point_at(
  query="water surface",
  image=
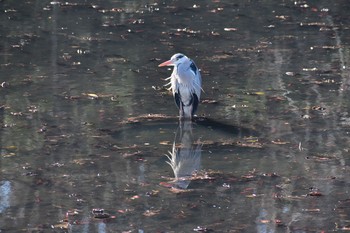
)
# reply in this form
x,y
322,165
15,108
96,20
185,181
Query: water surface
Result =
x,y
80,151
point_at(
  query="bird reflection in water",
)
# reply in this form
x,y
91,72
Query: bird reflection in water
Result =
x,y
185,157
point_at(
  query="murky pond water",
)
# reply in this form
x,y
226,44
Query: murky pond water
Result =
x,y
90,140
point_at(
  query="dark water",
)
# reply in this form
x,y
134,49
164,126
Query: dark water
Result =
x,y
270,152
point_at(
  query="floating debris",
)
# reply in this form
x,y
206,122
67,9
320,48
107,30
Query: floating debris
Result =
x,y
230,29
310,69
254,93
92,96
315,194
100,213
306,116
206,101
318,108
132,154
279,142
147,117
290,73
202,229
150,213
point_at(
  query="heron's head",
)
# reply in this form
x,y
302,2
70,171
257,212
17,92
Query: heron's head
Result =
x,y
175,60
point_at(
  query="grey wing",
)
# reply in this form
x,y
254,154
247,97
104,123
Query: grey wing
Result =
x,y
195,102
198,85
197,79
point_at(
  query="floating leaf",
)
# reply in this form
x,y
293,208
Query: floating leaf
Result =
x,y
279,142
62,225
146,117
166,184
314,194
318,108
251,145
72,212
313,24
273,174
122,211
100,213
10,147
153,193
209,101
166,143
255,93
127,155
202,229
282,17
179,190
278,222
310,69
305,116
97,211
93,96
134,197
230,29
82,161
251,195
16,113
311,210
259,93
150,213
8,155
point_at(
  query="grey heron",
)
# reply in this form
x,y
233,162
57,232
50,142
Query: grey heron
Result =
x,y
185,84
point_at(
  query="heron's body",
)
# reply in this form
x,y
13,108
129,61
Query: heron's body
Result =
x,y
185,84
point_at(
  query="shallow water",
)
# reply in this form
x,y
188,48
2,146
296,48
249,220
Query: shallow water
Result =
x,y
269,151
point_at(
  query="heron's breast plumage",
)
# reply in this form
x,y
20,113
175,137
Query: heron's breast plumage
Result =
x,y
184,80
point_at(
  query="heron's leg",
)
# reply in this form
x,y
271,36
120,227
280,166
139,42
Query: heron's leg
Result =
x,y
181,110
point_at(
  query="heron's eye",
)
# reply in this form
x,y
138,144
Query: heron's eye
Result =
x,y
179,57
